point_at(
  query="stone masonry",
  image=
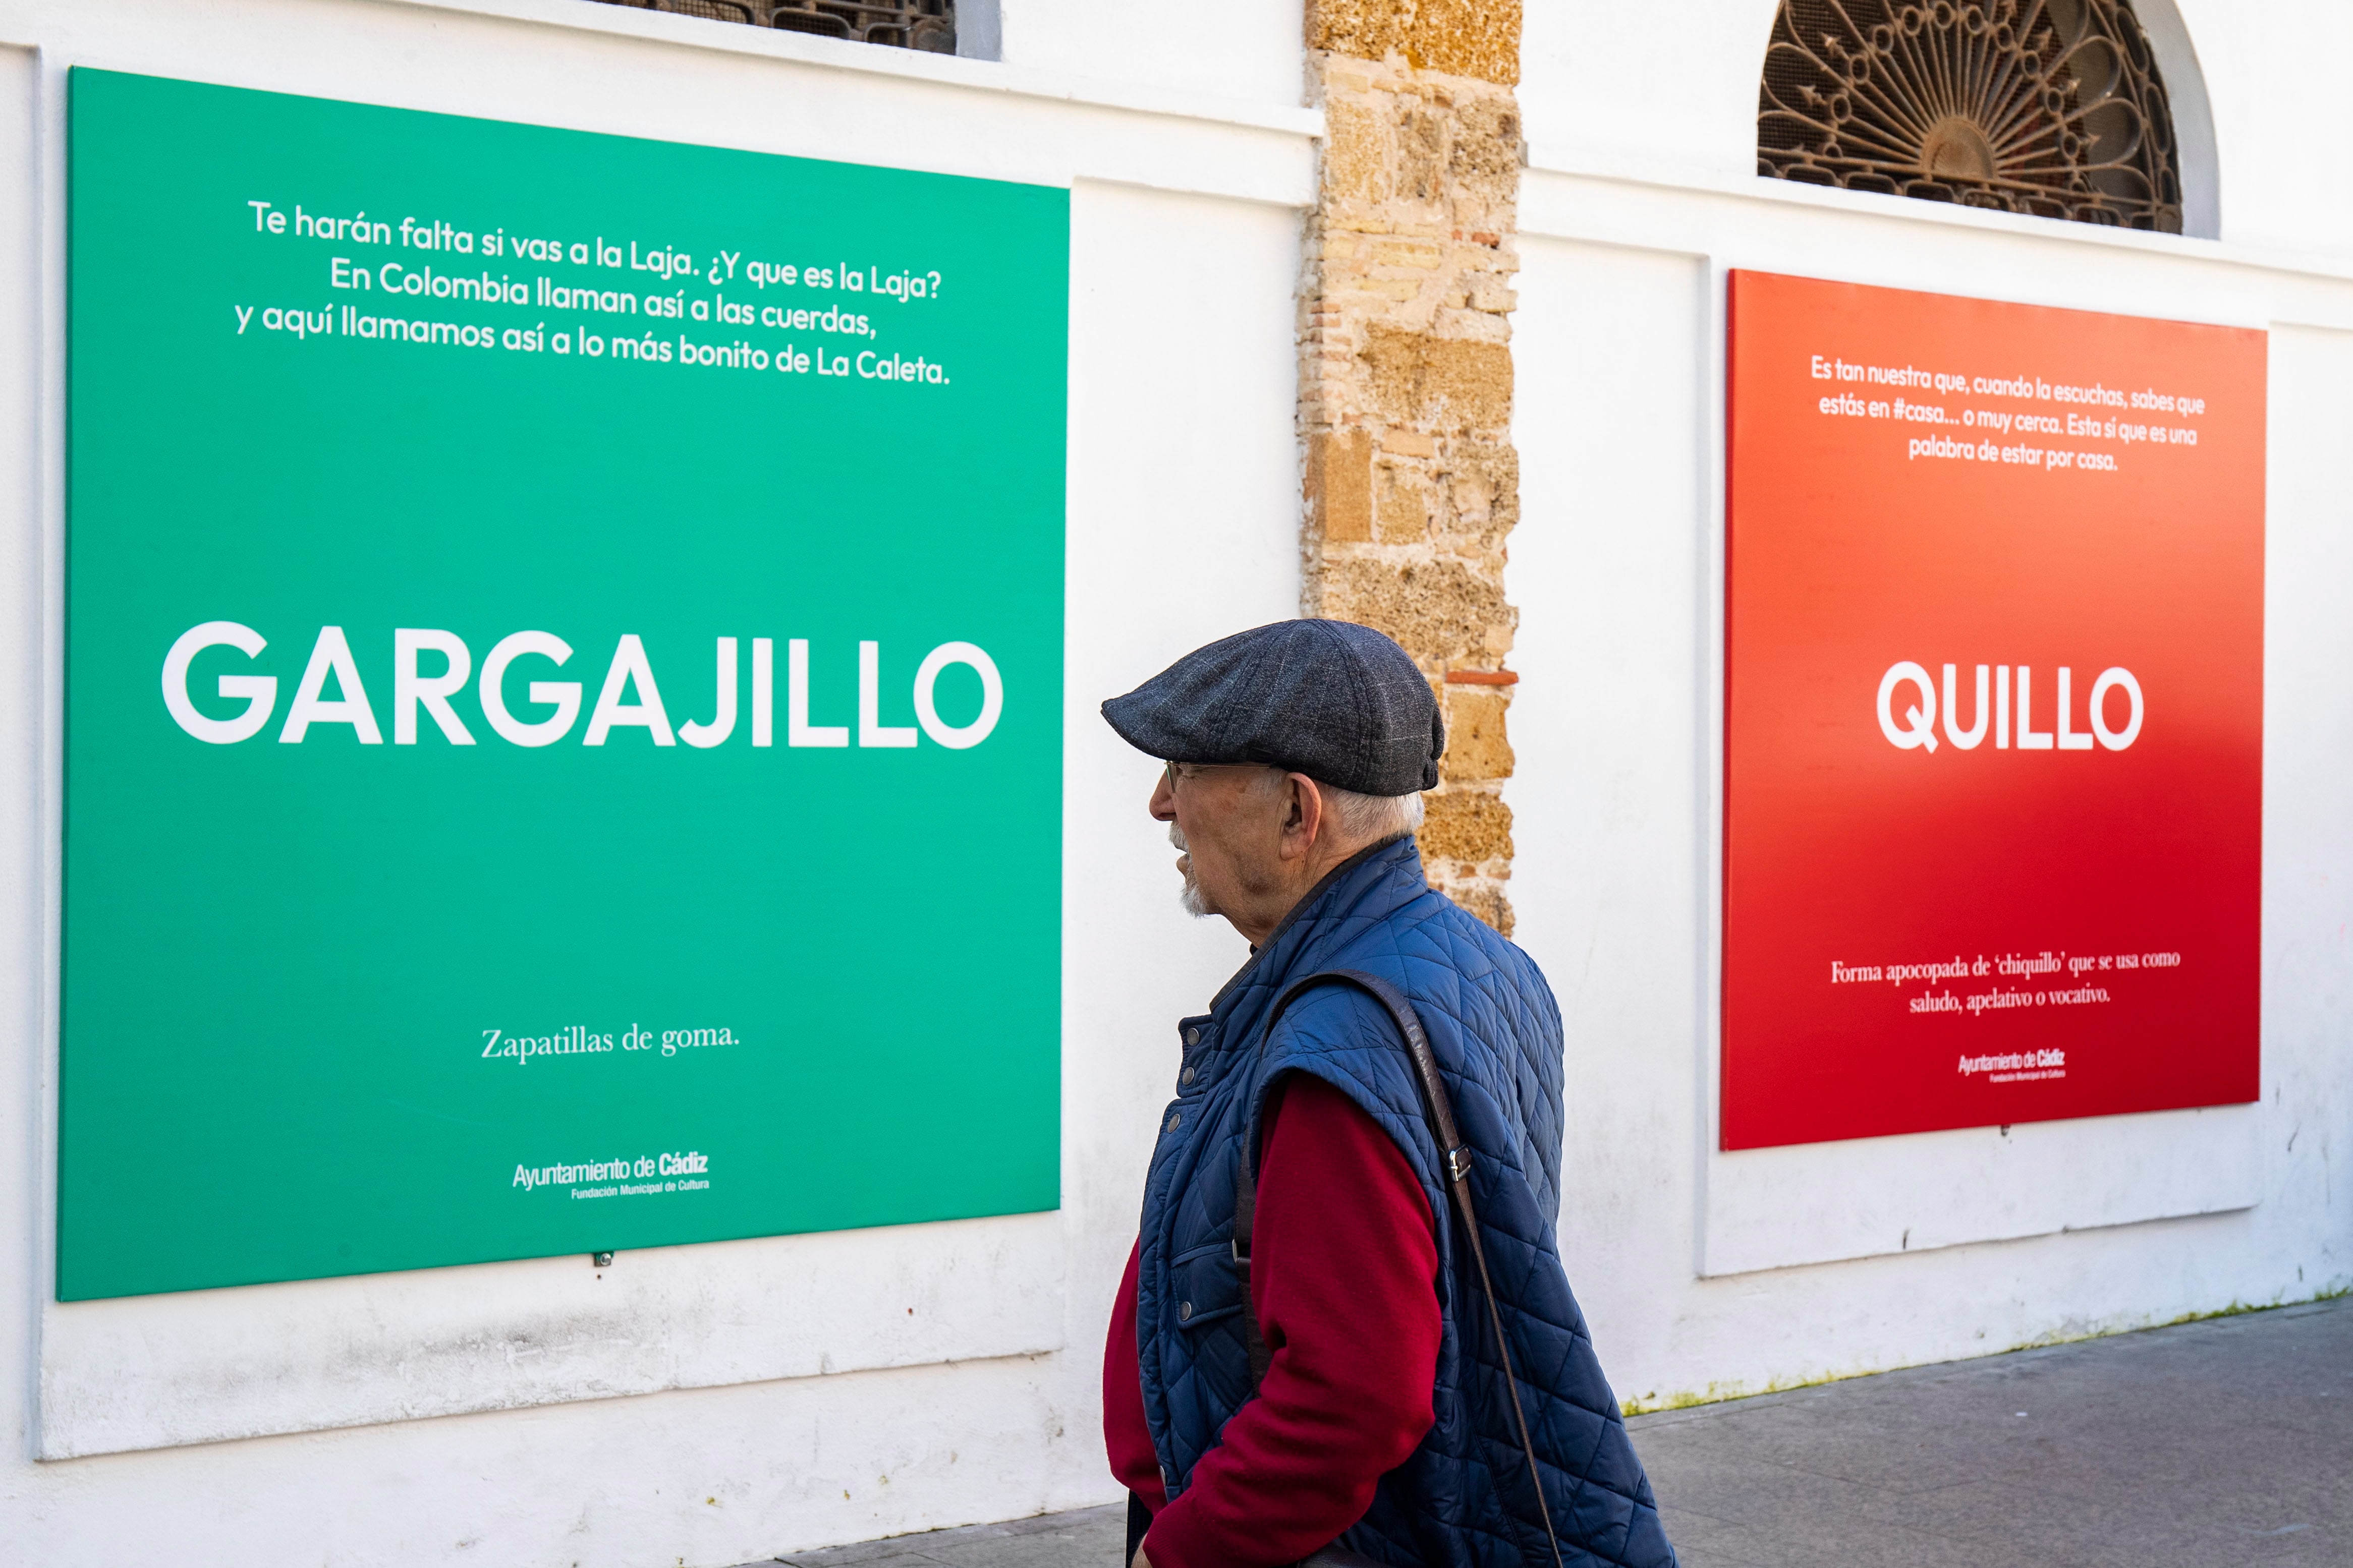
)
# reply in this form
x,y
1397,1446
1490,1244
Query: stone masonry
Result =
x,y
1405,381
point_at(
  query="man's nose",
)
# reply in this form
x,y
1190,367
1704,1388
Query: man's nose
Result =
x,y
1163,804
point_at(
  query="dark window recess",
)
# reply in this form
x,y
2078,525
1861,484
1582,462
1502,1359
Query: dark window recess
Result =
x,y
2049,107
928,24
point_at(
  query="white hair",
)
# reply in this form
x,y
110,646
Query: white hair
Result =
x,y
1364,818
1358,818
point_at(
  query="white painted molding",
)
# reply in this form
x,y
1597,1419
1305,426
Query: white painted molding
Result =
x,y
1823,1203
206,1366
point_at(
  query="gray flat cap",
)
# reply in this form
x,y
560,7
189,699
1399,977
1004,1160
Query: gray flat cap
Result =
x,y
1332,700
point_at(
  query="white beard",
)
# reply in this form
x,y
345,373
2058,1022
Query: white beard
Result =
x,y
1190,896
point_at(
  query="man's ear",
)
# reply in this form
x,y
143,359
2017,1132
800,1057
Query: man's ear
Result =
x,y
1302,816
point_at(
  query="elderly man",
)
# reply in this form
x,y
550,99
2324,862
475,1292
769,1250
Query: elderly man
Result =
x,y
1306,1359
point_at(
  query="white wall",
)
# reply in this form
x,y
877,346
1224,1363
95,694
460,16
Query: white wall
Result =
x,y
1601,84
715,1403
2265,67
1708,1273
1247,49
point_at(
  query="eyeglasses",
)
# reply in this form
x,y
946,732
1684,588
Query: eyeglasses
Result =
x,y
1176,771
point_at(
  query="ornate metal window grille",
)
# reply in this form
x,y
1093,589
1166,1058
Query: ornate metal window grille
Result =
x,y
2050,107
927,25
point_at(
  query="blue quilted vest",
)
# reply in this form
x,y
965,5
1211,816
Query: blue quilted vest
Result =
x,y
1463,1497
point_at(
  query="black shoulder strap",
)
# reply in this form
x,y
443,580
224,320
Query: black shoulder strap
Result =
x,y
1455,1159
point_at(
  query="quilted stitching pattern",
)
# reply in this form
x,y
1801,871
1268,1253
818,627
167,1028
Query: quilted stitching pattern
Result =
x,y
1463,1497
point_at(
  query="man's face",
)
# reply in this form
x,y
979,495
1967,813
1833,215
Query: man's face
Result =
x,y
1228,821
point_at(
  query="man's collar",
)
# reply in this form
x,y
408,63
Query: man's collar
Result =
x,y
1307,900
1306,906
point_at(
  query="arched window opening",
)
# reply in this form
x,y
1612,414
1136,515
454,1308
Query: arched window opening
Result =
x,y
2049,107
927,25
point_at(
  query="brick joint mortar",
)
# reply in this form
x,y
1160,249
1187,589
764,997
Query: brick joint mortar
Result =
x,y
1411,482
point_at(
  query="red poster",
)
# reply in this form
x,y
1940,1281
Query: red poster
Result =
x,y
1993,714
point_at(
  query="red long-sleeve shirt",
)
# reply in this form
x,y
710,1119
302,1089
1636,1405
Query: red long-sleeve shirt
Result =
x,y
1343,1274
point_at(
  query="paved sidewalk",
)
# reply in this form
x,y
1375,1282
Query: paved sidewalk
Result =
x,y
2204,1446
1086,1538
2208,1444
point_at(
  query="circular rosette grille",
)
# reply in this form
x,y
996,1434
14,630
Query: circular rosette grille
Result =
x,y
2049,107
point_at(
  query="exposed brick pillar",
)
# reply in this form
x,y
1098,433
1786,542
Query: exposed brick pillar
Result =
x,y
1405,380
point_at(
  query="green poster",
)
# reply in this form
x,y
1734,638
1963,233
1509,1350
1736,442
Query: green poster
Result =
x,y
563,692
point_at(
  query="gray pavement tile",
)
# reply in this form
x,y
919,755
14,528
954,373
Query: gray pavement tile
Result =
x,y
1703,1541
1714,1556
896,1551
1083,1538
1097,1544
1813,1540
1788,1507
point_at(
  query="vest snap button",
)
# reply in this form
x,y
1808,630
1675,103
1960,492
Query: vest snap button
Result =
x,y
1192,1036
1186,1075
1174,1118
1185,1312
